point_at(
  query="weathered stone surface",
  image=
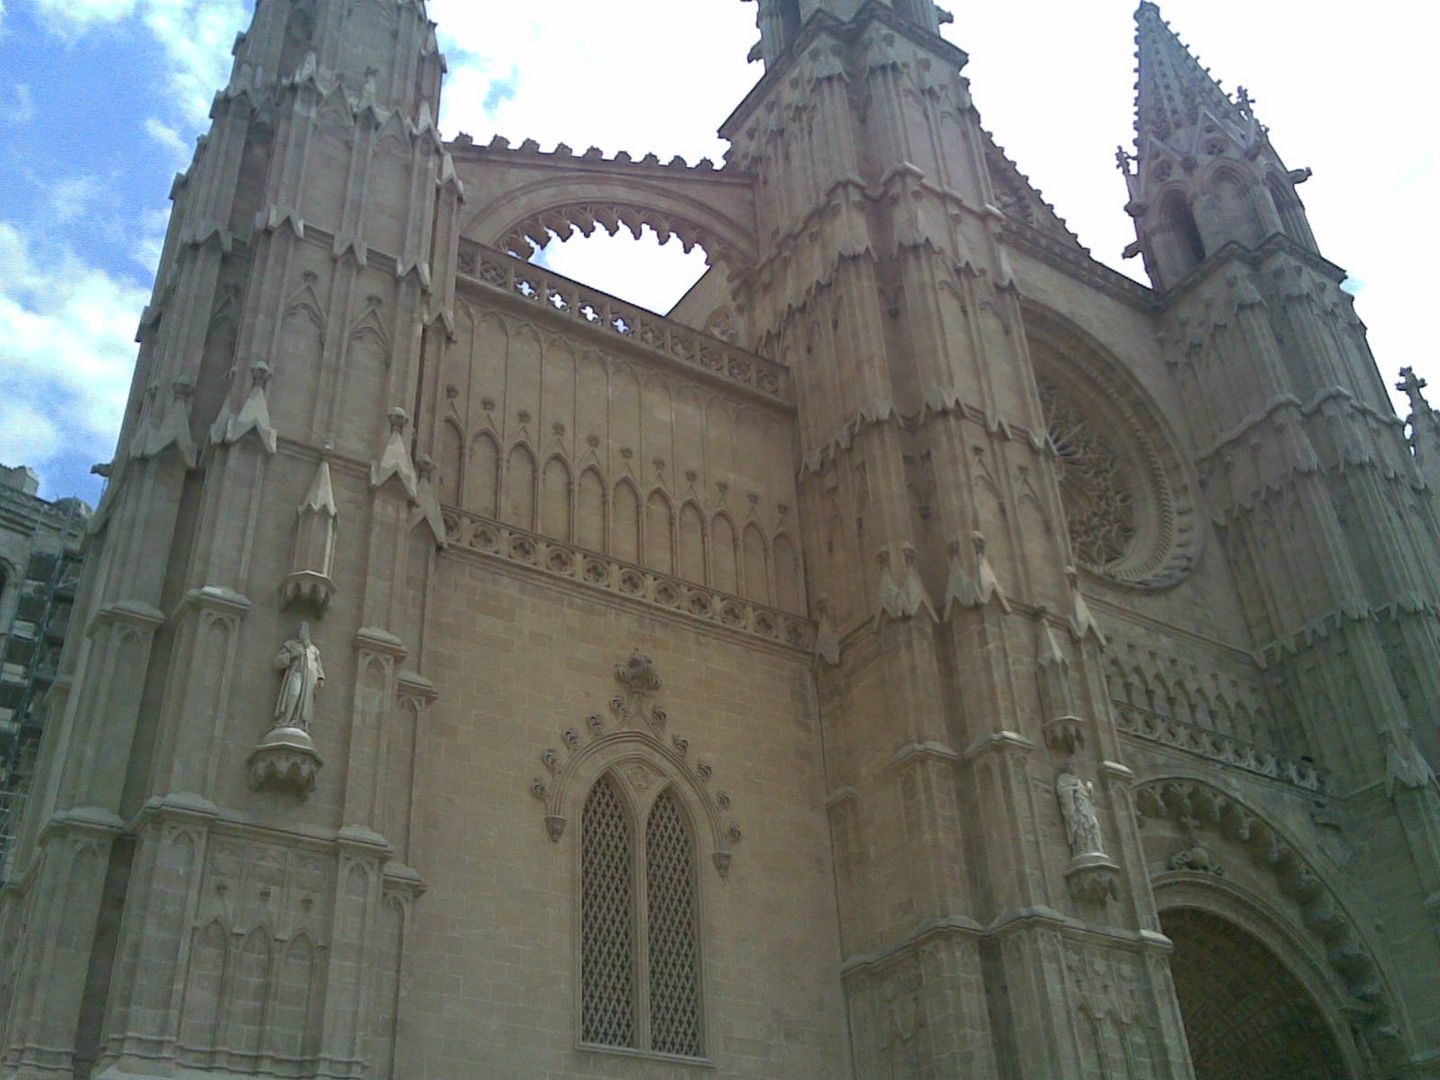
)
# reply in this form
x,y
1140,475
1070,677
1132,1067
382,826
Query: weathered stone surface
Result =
x,y
858,672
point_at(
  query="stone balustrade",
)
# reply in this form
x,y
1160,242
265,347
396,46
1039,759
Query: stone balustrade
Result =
x,y
645,328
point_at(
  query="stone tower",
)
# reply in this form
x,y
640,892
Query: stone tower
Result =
x,y
923,653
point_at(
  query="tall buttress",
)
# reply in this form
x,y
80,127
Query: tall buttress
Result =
x,y
1310,481
966,675
1328,519
278,358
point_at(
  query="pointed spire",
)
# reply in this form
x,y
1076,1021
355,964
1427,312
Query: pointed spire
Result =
x,y
1174,88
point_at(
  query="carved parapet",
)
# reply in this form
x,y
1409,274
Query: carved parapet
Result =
x,y
1093,878
566,299
1216,746
285,760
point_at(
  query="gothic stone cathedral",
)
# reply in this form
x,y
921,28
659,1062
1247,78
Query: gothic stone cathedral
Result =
x,y
925,653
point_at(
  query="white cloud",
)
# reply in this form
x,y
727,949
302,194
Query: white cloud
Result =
x,y
22,109
661,77
151,244
74,197
168,137
66,352
71,18
643,272
195,35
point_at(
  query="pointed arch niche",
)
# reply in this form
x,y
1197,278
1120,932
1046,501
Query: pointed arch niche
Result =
x,y
1248,905
635,741
647,820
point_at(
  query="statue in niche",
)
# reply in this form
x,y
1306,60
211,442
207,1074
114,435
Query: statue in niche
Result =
x,y
299,659
1077,807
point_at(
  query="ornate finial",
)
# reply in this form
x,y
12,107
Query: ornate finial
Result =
x,y
1124,159
1245,101
397,419
1412,386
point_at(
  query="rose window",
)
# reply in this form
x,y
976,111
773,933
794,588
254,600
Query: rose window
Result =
x,y
1124,487
1099,505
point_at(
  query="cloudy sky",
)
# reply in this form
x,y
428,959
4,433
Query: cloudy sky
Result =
x,y
101,100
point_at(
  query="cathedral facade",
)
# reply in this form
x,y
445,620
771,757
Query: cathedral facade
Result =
x,y
924,653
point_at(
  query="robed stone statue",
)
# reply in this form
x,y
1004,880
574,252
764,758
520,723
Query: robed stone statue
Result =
x,y
1077,806
299,659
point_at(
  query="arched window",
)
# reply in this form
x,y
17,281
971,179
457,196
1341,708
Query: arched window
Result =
x,y
1181,232
1292,214
639,948
607,923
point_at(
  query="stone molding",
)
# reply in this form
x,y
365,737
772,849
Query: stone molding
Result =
x,y
1196,805
637,737
484,536
1215,746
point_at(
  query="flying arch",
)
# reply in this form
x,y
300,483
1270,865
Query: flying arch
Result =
x,y
525,196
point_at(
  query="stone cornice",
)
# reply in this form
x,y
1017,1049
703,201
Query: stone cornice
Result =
x,y
1233,253
1014,920
1078,265
656,593
1290,403
939,401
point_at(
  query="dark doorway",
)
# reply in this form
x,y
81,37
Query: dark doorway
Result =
x,y
1246,1017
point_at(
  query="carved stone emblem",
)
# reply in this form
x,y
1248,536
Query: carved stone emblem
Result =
x,y
635,704
638,674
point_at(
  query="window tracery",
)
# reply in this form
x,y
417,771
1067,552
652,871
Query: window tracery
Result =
x,y
607,966
1099,505
640,969
1125,487
670,892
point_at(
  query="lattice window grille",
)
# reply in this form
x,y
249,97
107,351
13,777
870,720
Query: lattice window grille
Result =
x,y
607,935
673,963
639,925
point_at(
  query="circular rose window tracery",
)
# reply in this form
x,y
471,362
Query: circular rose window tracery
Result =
x,y
1124,487
1099,504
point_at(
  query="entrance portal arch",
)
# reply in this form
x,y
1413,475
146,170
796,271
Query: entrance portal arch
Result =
x,y
1247,1015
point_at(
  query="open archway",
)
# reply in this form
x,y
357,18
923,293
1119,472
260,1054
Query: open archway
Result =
x,y
1247,1017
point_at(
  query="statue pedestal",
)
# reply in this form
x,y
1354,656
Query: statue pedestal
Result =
x,y
285,759
1093,878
